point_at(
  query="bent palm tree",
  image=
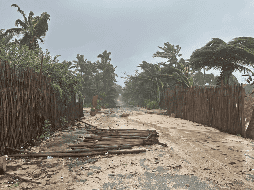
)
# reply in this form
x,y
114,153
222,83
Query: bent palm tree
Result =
x,y
33,28
225,56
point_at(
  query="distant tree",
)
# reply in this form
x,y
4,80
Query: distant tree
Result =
x,y
98,78
107,78
104,66
118,89
153,79
200,79
232,80
86,69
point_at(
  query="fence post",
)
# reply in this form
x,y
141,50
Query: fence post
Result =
x,y
2,164
94,102
242,113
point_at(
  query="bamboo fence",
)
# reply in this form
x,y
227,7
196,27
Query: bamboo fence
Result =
x,y
26,101
220,107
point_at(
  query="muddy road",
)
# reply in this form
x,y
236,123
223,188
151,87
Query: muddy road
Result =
x,y
197,157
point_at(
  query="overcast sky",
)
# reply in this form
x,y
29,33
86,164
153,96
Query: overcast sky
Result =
x,y
132,30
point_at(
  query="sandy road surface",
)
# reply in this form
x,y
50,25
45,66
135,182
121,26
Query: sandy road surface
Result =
x,y
197,157
195,150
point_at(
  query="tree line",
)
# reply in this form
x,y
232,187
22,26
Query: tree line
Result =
x,y
98,78
144,88
92,79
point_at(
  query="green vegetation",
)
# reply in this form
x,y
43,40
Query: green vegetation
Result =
x,y
228,57
87,105
93,79
151,104
98,78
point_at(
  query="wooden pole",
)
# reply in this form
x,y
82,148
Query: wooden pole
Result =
x,y
92,153
2,165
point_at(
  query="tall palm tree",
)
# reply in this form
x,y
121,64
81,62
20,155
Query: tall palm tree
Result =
x,y
103,66
152,74
33,28
87,70
225,56
180,70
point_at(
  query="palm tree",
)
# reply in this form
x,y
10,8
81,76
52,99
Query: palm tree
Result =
x,y
181,70
103,65
168,76
33,28
225,56
152,74
87,69
5,39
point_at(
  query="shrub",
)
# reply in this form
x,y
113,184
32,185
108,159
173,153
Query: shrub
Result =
x,y
152,104
87,105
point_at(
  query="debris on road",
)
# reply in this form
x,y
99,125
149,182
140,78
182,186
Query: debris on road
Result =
x,y
103,141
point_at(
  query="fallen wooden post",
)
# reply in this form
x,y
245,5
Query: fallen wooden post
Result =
x,y
99,142
67,154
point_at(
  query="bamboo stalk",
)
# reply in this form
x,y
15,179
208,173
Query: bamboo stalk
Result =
x,y
85,149
123,137
126,135
115,141
125,130
117,136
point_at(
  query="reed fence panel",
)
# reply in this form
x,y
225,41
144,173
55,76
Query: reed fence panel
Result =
x,y
208,106
26,101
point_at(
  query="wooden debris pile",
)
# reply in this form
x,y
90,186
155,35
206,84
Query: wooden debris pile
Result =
x,y
103,141
97,142
107,138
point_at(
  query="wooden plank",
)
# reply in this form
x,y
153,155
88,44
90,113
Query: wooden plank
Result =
x,y
85,149
119,136
110,139
80,145
125,137
114,142
103,146
53,154
111,145
122,130
149,137
125,132
117,141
